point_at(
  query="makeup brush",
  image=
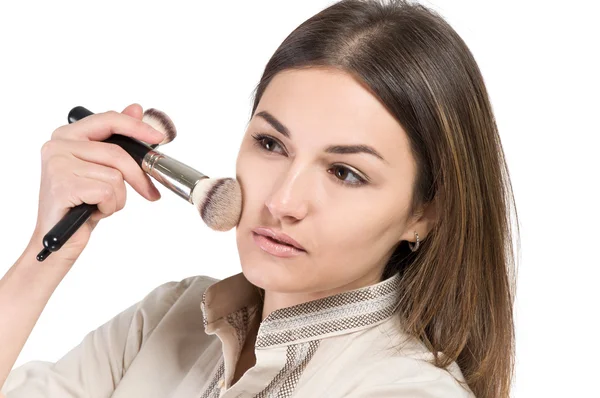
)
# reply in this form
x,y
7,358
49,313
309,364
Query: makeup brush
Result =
x,y
218,200
161,122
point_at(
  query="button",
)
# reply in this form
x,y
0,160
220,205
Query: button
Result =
x,y
221,383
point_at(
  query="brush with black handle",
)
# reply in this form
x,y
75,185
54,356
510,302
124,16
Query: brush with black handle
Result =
x,y
219,200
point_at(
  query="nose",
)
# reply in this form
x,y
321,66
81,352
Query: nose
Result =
x,y
289,198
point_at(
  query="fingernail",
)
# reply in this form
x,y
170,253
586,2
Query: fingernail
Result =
x,y
154,193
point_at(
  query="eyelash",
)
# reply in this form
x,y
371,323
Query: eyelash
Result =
x,y
258,141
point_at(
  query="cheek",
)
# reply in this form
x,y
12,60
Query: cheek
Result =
x,y
354,234
361,229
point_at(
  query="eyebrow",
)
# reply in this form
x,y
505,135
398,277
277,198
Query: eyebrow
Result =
x,y
339,149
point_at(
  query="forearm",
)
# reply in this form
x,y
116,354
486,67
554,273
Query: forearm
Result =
x,y
24,292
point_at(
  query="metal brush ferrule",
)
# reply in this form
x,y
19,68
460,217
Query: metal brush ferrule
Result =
x,y
176,176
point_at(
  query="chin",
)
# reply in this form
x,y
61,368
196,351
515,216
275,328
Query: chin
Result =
x,y
270,272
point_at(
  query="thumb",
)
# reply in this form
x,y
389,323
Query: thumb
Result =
x,y
134,110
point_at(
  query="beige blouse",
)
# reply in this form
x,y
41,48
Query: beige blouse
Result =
x,y
184,338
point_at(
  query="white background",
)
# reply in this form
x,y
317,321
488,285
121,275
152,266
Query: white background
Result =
x,y
200,63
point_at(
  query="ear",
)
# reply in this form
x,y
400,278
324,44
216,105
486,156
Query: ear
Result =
x,y
422,222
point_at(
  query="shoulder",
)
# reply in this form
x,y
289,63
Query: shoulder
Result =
x,y
415,377
401,365
160,320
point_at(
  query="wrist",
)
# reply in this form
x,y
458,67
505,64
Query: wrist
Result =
x,y
28,263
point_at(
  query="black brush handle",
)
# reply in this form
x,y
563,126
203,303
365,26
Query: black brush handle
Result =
x,y
76,216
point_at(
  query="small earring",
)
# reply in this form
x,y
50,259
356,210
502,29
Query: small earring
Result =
x,y
414,247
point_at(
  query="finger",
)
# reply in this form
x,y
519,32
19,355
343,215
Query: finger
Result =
x,y
134,110
105,154
94,192
100,126
107,174
115,157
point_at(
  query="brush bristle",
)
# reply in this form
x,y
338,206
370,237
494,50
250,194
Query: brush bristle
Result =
x,y
161,122
219,202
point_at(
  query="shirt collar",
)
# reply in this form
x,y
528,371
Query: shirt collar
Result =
x,y
337,314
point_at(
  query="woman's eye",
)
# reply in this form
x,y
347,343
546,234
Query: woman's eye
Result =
x,y
267,143
342,173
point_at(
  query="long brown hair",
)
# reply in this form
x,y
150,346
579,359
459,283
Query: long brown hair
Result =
x,y
458,287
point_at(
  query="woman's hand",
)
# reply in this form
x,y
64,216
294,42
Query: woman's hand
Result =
x,y
78,168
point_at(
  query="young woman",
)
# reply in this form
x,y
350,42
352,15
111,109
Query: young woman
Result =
x,y
373,155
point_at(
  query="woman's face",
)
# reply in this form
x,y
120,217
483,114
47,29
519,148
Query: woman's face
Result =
x,y
347,206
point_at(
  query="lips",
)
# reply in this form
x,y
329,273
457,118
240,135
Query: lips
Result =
x,y
279,237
